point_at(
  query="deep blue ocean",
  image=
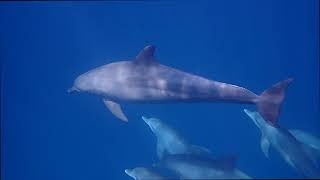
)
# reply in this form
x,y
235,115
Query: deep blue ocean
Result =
x,y
47,133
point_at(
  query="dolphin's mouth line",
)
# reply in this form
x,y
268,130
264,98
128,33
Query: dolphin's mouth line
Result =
x,y
127,171
73,90
146,121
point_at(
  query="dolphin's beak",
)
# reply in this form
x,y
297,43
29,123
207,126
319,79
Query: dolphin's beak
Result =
x,y
147,121
251,116
73,90
247,112
128,172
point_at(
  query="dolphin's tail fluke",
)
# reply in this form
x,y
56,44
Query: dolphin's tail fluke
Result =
x,y
271,99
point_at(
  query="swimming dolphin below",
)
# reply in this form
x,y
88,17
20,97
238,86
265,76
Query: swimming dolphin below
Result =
x,y
169,141
144,80
299,149
142,173
197,167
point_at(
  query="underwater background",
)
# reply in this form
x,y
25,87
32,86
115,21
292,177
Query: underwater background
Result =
x,y
47,133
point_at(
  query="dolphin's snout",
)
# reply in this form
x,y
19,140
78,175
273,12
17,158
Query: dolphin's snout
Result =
x,y
252,116
144,119
150,122
73,90
128,172
249,113
246,111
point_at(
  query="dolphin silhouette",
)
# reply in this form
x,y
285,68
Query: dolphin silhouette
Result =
x,y
299,149
142,173
169,141
189,166
144,80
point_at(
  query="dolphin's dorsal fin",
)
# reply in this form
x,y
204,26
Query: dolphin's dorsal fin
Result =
x,y
115,109
146,56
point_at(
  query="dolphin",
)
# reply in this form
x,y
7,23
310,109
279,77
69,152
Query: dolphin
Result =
x,y
144,80
141,173
169,141
300,150
189,166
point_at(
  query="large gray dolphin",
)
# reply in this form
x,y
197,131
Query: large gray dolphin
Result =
x,y
144,80
197,167
169,141
300,150
142,173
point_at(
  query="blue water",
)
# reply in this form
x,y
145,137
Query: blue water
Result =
x,y
44,46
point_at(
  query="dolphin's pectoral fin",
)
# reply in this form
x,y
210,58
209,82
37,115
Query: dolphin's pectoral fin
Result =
x,y
115,109
146,56
306,138
265,144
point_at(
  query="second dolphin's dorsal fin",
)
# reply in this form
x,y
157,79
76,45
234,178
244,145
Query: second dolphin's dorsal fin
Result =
x,y
146,56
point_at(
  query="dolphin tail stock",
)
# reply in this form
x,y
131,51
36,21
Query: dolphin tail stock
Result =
x,y
270,100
